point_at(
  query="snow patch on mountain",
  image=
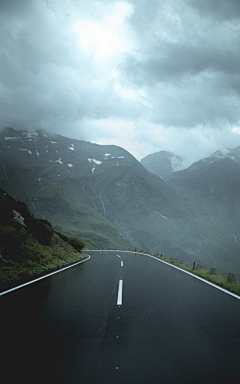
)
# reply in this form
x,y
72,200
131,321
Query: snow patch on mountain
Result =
x,y
72,147
164,216
59,161
118,157
233,236
53,142
32,134
10,138
27,150
98,162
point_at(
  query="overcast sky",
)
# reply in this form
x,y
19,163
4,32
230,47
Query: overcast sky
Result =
x,y
146,75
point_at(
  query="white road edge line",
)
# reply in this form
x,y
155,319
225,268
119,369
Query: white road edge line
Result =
x,y
43,277
120,287
183,270
197,277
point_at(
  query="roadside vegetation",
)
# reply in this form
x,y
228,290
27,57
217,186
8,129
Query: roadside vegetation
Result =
x,y
75,242
30,247
217,278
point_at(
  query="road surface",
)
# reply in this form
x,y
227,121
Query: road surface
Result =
x,y
120,318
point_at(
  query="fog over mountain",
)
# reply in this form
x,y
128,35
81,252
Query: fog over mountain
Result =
x,y
212,183
163,163
105,196
91,87
144,75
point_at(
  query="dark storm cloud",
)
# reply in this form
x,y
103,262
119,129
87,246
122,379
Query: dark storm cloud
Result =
x,y
47,80
172,61
189,65
144,74
220,10
15,7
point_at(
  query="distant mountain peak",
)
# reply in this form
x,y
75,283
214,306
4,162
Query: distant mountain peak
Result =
x,y
163,163
103,194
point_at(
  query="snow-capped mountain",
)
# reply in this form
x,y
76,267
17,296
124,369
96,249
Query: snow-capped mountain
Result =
x,y
214,185
53,174
232,154
104,195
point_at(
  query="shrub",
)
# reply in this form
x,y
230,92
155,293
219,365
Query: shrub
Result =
x,y
76,243
40,229
63,236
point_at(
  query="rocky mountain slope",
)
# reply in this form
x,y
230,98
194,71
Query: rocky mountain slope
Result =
x,y
104,195
53,177
215,186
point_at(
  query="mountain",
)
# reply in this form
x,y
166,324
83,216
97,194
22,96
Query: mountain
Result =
x,y
104,195
52,175
233,154
215,186
212,184
162,163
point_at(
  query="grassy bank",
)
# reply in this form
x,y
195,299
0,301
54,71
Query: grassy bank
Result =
x,y
217,278
29,246
39,259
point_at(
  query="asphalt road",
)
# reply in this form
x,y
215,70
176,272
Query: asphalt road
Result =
x,y
159,325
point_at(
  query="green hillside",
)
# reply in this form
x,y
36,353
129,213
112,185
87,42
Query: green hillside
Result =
x,y
30,247
105,196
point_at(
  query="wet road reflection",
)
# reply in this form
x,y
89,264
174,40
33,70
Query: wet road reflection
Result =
x,y
170,327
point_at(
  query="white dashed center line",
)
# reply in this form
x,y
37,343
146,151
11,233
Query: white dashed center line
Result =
x,y
120,287
121,263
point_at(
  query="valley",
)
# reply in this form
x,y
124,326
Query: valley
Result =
x,y
103,195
